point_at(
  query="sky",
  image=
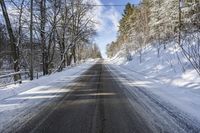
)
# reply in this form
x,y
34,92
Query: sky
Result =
x,y
107,21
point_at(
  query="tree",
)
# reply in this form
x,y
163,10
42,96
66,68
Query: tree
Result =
x,y
156,23
31,41
125,24
43,36
13,42
50,34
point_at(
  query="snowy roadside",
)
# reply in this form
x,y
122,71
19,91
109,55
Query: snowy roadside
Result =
x,y
26,100
173,80
184,98
11,90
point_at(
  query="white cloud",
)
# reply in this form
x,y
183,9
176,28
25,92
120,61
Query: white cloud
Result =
x,y
105,17
113,15
96,14
107,21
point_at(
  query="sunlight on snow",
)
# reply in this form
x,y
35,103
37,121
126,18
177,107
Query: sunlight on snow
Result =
x,y
41,90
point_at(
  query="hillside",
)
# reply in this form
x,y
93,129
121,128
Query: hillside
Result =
x,y
169,76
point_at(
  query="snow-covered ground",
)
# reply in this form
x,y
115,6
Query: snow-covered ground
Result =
x,y
161,76
24,101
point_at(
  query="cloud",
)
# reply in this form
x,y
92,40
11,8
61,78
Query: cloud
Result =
x,y
113,16
96,14
107,22
105,17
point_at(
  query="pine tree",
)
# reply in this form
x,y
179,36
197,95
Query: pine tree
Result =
x,y
125,24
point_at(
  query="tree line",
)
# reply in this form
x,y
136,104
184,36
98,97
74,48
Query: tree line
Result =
x,y
157,22
45,35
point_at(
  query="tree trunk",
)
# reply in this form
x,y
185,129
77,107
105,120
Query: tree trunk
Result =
x,y
31,42
74,53
14,48
42,35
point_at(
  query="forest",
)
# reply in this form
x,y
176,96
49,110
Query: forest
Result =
x,y
156,23
45,36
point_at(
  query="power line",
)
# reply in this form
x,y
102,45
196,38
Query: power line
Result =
x,y
119,5
103,5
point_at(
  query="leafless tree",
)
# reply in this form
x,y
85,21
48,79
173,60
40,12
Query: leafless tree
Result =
x,y
13,42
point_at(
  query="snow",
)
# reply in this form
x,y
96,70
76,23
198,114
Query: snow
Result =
x,y
171,80
25,100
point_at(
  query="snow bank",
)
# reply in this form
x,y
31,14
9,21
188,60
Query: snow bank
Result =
x,y
169,76
48,80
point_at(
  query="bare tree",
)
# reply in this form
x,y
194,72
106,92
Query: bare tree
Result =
x,y
50,33
14,48
31,41
43,36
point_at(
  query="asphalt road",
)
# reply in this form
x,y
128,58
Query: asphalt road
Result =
x,y
96,105
99,104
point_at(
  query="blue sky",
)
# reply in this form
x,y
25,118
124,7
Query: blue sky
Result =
x,y
108,18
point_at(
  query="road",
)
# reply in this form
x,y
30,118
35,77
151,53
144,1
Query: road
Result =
x,y
98,103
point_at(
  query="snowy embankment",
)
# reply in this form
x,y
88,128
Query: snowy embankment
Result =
x,y
25,100
172,80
